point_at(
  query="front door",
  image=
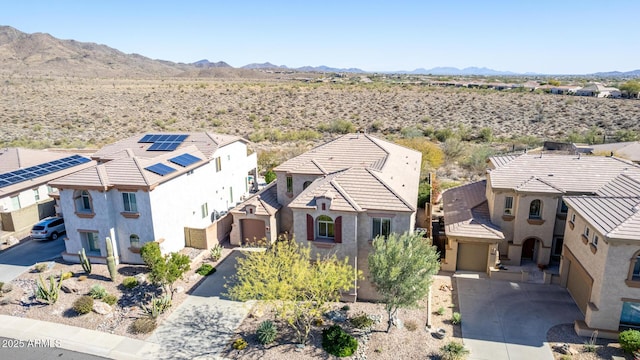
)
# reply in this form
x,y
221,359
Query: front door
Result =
x,y
528,249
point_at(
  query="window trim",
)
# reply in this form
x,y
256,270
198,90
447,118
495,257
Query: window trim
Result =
x,y
382,220
36,194
126,198
632,279
87,243
289,183
330,231
79,199
204,210
508,210
533,216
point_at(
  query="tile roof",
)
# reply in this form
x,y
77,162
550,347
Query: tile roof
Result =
x,y
621,186
566,173
627,150
129,172
12,159
351,150
501,160
206,143
466,212
614,217
265,202
354,189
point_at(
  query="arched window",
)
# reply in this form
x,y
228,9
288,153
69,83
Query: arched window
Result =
x,y
134,240
306,184
325,227
83,202
634,268
535,209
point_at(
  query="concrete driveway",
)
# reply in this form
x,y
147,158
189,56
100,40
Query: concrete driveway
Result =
x,y
204,324
506,320
18,259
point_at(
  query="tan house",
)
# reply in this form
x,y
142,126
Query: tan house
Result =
x,y
24,193
599,90
601,256
337,197
517,214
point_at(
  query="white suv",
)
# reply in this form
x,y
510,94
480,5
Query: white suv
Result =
x,y
49,228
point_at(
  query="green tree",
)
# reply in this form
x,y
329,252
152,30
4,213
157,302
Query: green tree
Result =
x,y
298,288
269,176
164,270
402,268
477,159
632,87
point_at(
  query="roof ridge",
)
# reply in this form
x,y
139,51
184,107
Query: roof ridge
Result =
x,y
344,194
139,167
625,221
103,176
549,184
317,164
375,140
409,205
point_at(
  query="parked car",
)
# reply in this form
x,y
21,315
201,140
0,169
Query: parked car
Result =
x,y
49,228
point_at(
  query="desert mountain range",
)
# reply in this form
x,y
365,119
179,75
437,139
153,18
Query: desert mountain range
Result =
x,y
43,54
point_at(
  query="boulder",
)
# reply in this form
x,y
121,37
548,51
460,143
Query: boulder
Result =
x,y
178,289
101,308
70,287
141,278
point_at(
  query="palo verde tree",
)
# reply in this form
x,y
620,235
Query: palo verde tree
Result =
x,y
298,288
164,270
402,268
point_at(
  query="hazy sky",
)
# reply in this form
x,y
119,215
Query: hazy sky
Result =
x,y
544,36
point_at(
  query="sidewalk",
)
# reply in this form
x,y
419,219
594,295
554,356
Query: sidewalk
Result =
x,y
78,339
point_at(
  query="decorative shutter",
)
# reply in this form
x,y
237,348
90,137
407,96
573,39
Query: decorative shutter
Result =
x,y
337,230
309,227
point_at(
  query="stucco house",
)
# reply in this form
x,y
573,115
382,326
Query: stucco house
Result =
x,y
337,197
153,187
599,90
601,257
517,214
24,194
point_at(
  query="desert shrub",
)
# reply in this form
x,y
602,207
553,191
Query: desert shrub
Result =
x,y
337,342
83,305
206,269
629,340
411,132
143,325
411,325
269,176
453,351
41,267
477,160
432,156
97,291
240,344
1,286
377,125
485,135
456,318
337,126
66,275
346,308
216,252
318,322
110,299
266,332
453,148
443,134
48,293
156,306
362,321
424,194
129,282
440,311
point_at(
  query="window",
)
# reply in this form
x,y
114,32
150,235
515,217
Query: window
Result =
x,y
83,202
231,194
306,184
508,205
595,239
573,217
325,226
134,240
36,194
129,200
49,189
90,242
563,208
630,314
381,227
586,231
204,210
218,164
534,209
635,275
289,184
15,202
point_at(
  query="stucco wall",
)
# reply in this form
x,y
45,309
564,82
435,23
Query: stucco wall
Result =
x,y
284,198
27,197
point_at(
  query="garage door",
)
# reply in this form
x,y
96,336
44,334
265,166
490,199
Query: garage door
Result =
x,y
579,285
252,230
472,257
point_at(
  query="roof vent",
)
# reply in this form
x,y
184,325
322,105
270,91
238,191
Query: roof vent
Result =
x,y
549,174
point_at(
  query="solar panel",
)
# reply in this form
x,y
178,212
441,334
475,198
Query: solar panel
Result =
x,y
160,169
185,160
146,139
163,142
35,171
164,146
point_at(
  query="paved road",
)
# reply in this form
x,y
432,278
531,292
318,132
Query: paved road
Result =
x,y
18,259
38,350
506,321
